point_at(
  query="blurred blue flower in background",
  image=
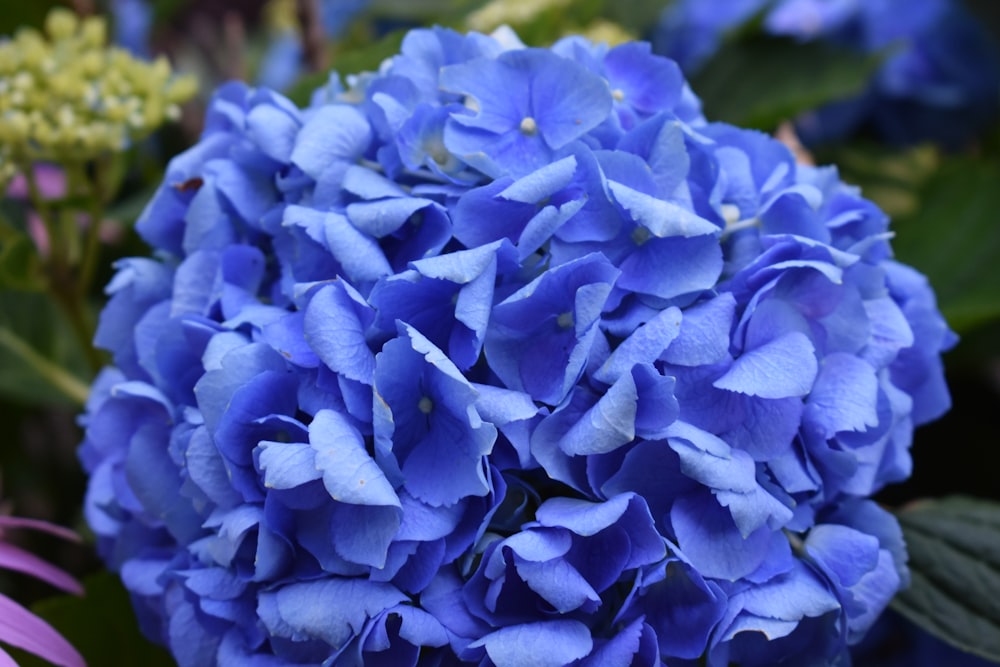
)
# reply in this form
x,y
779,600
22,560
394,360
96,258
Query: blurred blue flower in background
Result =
x,y
939,80
284,58
133,24
434,371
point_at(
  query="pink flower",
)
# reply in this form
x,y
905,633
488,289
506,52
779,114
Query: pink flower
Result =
x,y
20,627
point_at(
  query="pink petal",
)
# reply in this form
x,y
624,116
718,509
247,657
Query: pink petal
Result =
x,y
6,660
36,524
19,560
20,628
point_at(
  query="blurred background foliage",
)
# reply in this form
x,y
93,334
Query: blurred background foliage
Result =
x,y
945,205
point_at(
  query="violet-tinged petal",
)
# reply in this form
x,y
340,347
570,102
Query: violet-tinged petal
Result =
x,y
23,629
19,560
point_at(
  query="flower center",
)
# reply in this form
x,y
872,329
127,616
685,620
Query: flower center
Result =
x,y
528,126
640,235
565,320
425,405
730,213
618,94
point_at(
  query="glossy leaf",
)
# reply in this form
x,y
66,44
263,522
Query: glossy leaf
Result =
x,y
954,547
953,237
41,359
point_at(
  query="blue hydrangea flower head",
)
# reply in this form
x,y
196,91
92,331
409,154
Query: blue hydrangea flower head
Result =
x,y
938,83
506,356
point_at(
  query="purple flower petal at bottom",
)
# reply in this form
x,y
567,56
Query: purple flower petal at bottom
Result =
x,y
21,628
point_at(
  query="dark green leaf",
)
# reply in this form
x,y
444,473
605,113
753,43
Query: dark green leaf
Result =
x,y
42,360
101,626
891,178
18,14
954,547
954,238
759,81
20,266
639,16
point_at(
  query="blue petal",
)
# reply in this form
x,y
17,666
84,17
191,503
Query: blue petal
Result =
x,y
844,396
287,465
349,472
542,334
606,426
426,424
545,644
708,536
274,130
781,368
335,133
682,607
643,346
662,218
333,610
704,335
334,326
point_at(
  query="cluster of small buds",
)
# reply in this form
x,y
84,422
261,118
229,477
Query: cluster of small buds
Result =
x,y
501,12
65,95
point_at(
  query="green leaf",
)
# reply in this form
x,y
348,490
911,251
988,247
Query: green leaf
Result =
x,y
759,81
892,178
953,237
635,15
101,625
20,266
954,547
355,61
42,361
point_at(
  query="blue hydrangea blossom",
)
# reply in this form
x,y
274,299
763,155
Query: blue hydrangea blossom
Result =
x,y
506,356
938,82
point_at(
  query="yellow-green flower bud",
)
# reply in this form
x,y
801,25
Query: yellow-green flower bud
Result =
x,y
65,96
61,24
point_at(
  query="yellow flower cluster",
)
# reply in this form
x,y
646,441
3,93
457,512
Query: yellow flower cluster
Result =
x,y
496,13
519,14
66,96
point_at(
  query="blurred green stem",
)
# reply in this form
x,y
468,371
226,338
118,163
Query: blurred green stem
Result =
x,y
58,377
92,240
70,270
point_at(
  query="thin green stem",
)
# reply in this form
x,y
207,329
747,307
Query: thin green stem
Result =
x,y
67,384
82,324
92,240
